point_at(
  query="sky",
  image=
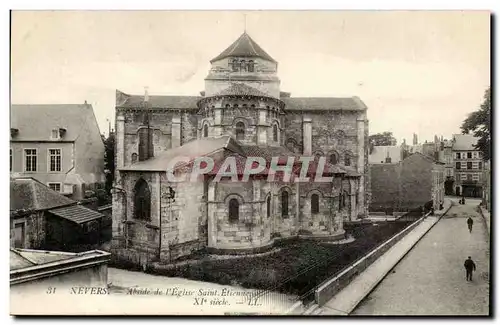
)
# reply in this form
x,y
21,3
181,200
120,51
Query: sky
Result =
x,y
417,71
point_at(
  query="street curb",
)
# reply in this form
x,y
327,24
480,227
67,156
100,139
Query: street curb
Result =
x,y
398,260
486,222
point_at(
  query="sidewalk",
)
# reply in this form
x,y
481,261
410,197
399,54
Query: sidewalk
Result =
x,y
486,215
346,300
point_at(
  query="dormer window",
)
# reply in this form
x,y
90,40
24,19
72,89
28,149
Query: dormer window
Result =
x,y
55,134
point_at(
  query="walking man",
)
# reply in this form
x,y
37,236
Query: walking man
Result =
x,y
469,267
470,222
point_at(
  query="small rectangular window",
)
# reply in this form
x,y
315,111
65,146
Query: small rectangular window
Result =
x,y
55,186
469,155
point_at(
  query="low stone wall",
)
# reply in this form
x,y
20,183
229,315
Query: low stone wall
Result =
x,y
331,287
486,217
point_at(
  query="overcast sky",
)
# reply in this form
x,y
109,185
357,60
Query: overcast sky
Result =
x,y
416,71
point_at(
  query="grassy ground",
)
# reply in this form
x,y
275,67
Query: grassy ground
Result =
x,y
295,269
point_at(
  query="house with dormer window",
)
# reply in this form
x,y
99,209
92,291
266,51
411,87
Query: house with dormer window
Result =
x,y
59,145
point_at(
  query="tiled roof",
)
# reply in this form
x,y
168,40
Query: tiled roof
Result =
x,y
324,103
464,142
197,148
173,102
30,194
240,89
77,213
72,117
244,46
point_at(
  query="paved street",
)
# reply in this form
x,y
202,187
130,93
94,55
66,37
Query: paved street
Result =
x,y
430,280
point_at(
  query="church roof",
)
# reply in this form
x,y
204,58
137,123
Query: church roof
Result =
x,y
323,103
240,89
244,46
173,102
192,150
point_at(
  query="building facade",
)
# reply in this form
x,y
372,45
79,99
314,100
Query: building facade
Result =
x,y
59,145
412,183
468,162
241,113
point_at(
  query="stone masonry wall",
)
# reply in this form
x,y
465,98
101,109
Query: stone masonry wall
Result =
x,y
183,222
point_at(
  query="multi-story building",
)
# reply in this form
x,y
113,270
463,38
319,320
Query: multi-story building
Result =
x,y
59,145
449,171
468,161
241,113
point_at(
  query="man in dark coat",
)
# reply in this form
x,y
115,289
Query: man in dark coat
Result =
x,y
470,222
469,267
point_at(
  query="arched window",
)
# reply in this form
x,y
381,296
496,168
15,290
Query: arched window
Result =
x,y
134,157
205,131
333,159
314,203
347,160
284,204
250,66
240,131
142,200
243,65
234,210
275,133
268,206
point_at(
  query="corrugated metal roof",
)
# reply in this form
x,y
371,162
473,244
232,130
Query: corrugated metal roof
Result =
x,y
77,214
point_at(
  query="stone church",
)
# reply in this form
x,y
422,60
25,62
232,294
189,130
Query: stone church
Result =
x,y
241,113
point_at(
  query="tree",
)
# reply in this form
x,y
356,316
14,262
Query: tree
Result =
x,y
109,160
479,123
381,139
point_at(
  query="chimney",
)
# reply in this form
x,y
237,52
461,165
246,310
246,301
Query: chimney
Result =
x,y
307,136
387,158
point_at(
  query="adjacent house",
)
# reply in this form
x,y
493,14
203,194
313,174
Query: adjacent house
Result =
x,y
41,218
59,145
409,184
468,163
